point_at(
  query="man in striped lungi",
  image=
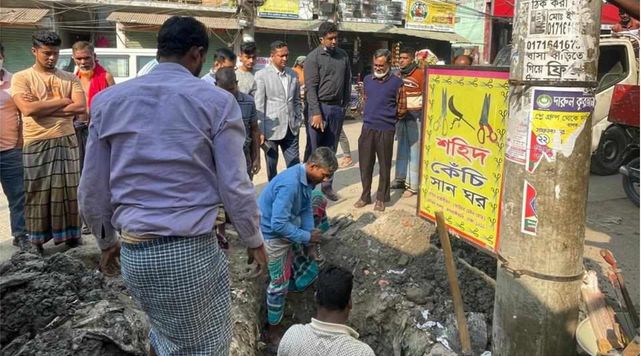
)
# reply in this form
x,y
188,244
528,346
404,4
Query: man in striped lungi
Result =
x,y
49,98
165,151
292,223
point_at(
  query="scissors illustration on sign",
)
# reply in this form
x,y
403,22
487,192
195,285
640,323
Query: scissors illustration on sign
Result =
x,y
441,122
485,130
458,114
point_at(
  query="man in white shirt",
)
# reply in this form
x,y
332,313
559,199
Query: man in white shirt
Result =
x,y
327,334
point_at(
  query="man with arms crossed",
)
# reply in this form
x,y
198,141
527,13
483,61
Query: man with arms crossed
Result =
x,y
49,99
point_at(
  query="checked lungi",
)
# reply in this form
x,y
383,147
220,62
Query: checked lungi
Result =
x,y
290,267
182,283
51,177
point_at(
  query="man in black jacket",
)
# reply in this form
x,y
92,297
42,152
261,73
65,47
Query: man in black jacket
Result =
x,y
328,85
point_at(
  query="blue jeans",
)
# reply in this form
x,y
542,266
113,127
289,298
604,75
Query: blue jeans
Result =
x,y
333,115
408,154
12,178
289,145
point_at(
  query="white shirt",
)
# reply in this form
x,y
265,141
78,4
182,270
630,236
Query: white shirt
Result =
x,y
283,79
322,339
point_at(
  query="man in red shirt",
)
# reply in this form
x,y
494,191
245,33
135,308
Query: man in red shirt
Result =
x,y
93,78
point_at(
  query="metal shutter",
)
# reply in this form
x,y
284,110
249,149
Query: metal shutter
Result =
x,y
17,48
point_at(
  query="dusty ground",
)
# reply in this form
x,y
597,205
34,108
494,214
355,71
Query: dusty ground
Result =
x,y
402,243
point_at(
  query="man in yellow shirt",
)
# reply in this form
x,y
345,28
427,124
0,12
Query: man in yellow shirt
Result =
x,y
49,99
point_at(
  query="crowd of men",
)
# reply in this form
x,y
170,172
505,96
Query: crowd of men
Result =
x,y
156,166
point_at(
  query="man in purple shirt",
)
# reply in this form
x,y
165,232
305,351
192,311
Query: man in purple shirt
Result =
x,y
165,151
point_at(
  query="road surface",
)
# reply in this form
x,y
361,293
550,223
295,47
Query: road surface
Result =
x,y
613,221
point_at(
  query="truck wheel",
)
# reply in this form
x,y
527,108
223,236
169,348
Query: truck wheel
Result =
x,y
608,156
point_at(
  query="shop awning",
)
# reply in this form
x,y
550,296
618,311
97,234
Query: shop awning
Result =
x,y
132,18
21,16
394,30
287,25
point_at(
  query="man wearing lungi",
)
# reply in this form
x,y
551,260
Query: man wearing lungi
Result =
x,y
49,99
94,79
165,150
290,230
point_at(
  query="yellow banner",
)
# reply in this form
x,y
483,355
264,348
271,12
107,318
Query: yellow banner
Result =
x,y
462,151
430,15
282,9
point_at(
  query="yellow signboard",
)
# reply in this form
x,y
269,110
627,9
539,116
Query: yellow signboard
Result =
x,y
430,15
282,9
463,151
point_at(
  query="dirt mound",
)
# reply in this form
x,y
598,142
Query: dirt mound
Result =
x,y
62,303
401,298
57,304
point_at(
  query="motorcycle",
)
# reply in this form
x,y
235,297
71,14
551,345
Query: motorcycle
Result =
x,y
356,103
630,171
624,114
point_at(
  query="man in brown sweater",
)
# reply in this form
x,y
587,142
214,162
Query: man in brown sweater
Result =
x,y
408,127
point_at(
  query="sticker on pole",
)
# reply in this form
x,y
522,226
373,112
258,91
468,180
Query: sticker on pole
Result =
x,y
530,221
558,117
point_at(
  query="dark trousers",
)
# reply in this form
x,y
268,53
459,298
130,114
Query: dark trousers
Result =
x,y
334,115
12,179
289,145
374,144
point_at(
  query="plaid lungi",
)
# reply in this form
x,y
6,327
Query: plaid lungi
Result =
x,y
51,176
182,283
290,268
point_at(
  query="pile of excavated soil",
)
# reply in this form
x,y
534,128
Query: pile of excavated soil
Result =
x,y
401,297
63,306
59,307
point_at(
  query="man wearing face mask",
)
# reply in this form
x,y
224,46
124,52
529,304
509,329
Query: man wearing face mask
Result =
x,y
165,151
328,84
385,102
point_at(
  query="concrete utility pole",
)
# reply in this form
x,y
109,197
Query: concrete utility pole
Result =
x,y
543,211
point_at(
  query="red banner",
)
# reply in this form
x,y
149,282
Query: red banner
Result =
x,y
505,8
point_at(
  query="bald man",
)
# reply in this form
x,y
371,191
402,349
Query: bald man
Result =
x,y
463,60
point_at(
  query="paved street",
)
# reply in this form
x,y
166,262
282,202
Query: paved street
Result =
x,y
613,221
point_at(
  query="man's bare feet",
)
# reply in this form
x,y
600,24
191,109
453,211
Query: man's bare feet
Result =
x,y
408,194
346,162
110,261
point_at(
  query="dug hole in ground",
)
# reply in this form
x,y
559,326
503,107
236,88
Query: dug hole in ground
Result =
x,y
62,305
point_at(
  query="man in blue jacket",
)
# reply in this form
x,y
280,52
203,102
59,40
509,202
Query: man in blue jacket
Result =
x,y
287,225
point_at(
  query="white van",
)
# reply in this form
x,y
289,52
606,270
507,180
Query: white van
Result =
x,y
123,64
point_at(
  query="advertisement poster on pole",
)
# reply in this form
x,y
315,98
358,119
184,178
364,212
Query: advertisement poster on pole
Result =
x,y
558,117
463,150
430,15
280,9
556,48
